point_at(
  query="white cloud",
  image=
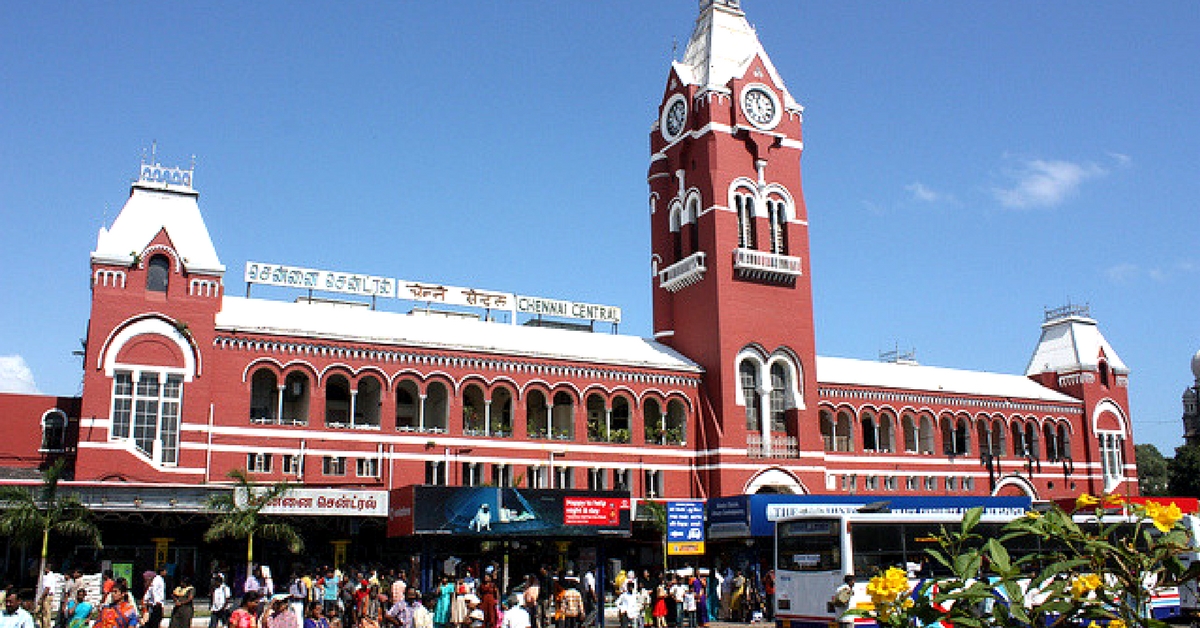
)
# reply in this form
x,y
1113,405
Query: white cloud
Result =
x,y
15,376
1043,183
1128,272
924,193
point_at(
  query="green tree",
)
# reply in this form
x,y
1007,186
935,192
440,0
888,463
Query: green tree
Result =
x,y
29,514
1153,470
240,516
1185,472
657,520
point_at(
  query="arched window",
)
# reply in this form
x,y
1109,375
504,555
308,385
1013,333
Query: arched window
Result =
x,y
158,271
694,218
827,427
1031,439
562,417
962,437
1051,440
619,425
676,423
367,402
652,422
997,440
948,435
264,397
778,212
984,435
748,377
1018,439
909,427
1112,462
597,418
1103,368
887,433
1064,441
337,401
927,434
870,432
779,388
676,232
473,411
436,413
537,424
407,408
744,204
296,390
501,412
843,439
54,431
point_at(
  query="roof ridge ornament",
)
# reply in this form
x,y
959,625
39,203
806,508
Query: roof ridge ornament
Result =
x,y
1070,310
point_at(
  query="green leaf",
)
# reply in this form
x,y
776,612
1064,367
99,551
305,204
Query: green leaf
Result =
x,y
971,519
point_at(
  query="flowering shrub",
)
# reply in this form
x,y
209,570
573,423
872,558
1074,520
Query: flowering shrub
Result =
x,y
1045,570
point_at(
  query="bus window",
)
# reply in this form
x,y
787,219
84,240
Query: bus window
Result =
x,y
877,546
809,545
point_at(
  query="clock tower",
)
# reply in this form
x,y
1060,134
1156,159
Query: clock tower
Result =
x,y
729,229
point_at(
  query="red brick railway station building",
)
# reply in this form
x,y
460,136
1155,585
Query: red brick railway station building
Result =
x,y
366,384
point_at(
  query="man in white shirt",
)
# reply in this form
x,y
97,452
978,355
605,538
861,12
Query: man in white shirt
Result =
x,y
516,616
13,616
221,607
155,597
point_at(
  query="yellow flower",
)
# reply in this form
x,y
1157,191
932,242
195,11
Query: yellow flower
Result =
x,y
1113,501
1116,623
907,603
1033,514
1085,500
1082,585
1163,517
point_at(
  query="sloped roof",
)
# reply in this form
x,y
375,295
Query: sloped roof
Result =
x,y
352,324
721,48
151,209
1070,344
914,377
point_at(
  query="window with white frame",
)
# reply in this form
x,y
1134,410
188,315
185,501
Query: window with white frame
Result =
x,y
502,475
653,483
779,388
931,483
1111,458
912,483
890,483
537,476
968,484
472,473
366,467
872,483
596,479
258,463
748,378
621,480
54,431
744,204
777,210
951,483
333,465
564,477
146,408
435,473
290,464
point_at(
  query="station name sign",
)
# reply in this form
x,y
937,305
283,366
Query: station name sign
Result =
x,y
423,291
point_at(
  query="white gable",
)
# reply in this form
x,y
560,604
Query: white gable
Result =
x,y
902,376
150,209
1072,344
721,48
392,328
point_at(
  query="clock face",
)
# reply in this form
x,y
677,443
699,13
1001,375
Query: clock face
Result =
x,y
760,107
673,118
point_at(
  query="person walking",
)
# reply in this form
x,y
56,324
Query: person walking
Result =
x,y
629,606
155,597
221,605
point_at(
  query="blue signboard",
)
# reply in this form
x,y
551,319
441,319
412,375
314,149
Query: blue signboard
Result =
x,y
685,521
755,515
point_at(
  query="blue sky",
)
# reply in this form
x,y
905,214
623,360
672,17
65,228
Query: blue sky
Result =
x,y
966,163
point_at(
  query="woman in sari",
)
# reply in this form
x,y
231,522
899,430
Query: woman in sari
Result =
x,y
441,614
79,609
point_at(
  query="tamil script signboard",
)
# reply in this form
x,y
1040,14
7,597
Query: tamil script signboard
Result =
x,y
328,502
490,511
424,292
685,527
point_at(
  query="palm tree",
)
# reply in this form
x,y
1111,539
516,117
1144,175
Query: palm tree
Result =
x,y
657,512
29,513
241,516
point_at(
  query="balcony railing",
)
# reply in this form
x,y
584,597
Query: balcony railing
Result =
x,y
781,446
683,273
764,266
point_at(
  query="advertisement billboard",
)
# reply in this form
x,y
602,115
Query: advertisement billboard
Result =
x,y
489,511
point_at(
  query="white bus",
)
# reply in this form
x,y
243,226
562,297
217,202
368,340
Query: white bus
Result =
x,y
814,552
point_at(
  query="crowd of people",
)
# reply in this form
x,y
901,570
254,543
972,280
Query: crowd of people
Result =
x,y
466,596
